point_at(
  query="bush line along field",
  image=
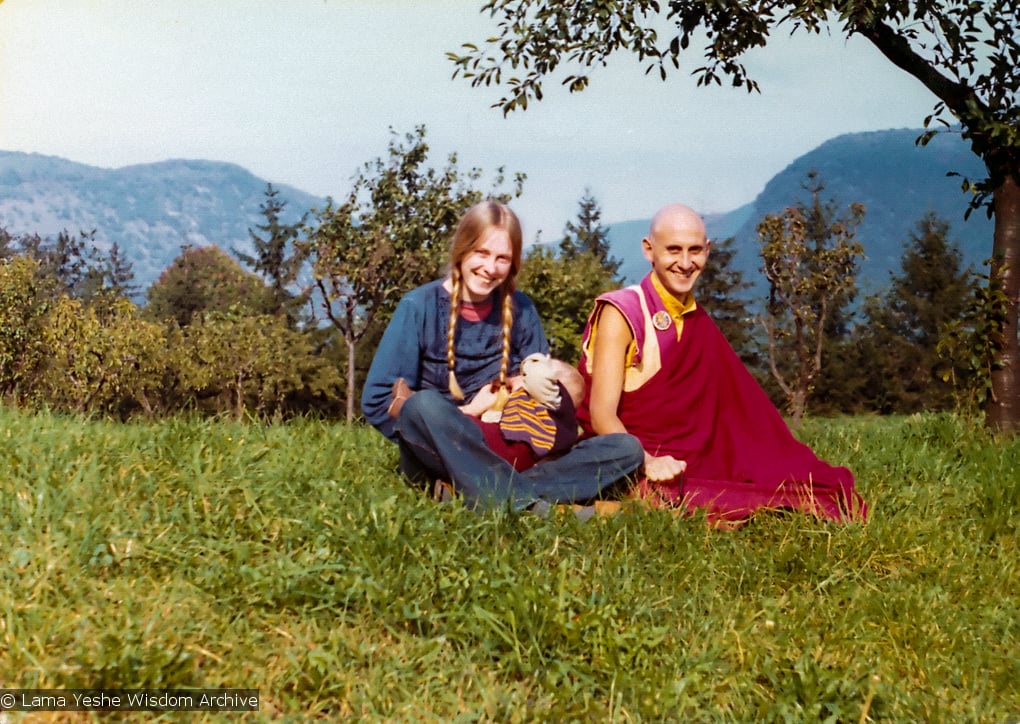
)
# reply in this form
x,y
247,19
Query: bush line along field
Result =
x,y
292,559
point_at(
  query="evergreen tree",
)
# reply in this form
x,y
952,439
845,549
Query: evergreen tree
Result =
x,y
277,258
719,291
932,288
587,235
906,323
120,276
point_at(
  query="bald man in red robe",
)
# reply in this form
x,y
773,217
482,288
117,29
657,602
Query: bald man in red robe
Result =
x,y
657,367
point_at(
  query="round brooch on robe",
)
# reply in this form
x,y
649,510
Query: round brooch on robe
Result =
x,y
661,320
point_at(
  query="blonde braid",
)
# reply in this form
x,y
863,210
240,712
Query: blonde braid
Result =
x,y
503,393
451,356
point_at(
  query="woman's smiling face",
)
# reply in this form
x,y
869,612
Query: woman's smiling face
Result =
x,y
486,267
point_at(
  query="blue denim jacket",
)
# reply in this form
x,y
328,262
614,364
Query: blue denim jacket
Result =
x,y
414,347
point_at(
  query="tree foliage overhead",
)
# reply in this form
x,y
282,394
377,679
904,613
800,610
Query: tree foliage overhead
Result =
x,y
965,52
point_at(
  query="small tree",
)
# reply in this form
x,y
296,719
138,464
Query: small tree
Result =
x,y
810,280
119,274
99,361
968,346
932,288
249,364
390,234
25,297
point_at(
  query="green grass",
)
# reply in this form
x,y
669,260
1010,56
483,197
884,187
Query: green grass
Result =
x,y
292,559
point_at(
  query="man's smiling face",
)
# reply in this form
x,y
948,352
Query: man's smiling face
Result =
x,y
678,250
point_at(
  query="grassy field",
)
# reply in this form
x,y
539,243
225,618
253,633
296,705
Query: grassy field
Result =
x,y
291,559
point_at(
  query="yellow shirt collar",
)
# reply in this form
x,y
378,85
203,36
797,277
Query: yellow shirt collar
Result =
x,y
676,308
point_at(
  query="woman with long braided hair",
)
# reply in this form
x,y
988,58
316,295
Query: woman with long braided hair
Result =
x,y
450,354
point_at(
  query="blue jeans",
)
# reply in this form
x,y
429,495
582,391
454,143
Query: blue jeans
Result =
x,y
437,440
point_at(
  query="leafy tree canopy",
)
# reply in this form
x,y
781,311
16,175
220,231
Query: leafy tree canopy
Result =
x,y
965,52
205,279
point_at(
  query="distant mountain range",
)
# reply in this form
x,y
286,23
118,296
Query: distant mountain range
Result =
x,y
897,181
152,210
149,210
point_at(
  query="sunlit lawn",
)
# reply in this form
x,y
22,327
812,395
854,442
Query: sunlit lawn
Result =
x,y
291,559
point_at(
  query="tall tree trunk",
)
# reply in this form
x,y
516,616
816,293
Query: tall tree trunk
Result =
x,y
1003,412
239,395
798,406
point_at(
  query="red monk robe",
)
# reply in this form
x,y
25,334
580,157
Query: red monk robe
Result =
x,y
693,399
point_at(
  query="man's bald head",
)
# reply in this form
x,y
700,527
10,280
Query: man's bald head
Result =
x,y
677,218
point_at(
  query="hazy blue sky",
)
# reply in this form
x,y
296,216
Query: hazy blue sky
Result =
x,y
303,92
